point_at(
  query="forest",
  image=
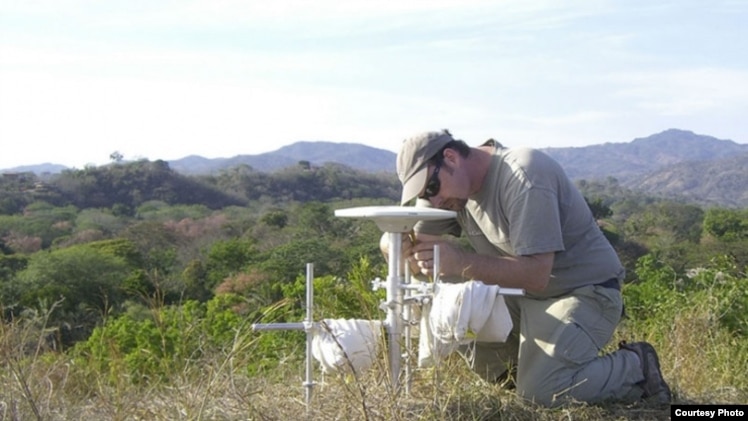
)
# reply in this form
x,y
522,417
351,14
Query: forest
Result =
x,y
133,268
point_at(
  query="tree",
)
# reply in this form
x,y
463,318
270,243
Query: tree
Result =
x,y
40,220
227,258
116,157
275,218
726,224
87,280
599,209
680,221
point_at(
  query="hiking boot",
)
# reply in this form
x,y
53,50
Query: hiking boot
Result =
x,y
655,388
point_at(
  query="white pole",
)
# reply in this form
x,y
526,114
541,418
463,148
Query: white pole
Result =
x,y
407,315
309,327
393,321
437,263
436,280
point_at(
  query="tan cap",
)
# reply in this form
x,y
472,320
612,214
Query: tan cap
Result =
x,y
412,161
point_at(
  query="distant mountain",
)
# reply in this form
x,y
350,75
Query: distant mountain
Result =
x,y
37,169
354,155
719,182
626,161
697,167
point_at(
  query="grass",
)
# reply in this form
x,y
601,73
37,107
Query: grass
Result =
x,y
702,362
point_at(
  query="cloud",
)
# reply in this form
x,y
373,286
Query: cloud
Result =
x,y
164,78
686,91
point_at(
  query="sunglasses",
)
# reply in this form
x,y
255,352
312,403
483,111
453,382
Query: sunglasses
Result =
x,y
433,185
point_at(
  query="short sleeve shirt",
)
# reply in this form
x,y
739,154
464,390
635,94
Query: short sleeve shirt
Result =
x,y
527,205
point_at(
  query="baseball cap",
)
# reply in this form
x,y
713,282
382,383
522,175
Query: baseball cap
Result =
x,y
412,160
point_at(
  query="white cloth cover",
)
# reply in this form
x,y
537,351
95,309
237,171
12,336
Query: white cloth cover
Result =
x,y
461,313
346,344
430,349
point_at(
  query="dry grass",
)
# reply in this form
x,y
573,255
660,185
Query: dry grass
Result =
x,y
703,364
459,396
211,395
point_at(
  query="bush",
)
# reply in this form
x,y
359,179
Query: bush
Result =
x,y
697,321
163,344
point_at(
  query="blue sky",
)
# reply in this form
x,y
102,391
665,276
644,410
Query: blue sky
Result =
x,y
163,79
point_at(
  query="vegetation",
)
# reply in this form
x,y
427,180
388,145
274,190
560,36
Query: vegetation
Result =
x,y
128,291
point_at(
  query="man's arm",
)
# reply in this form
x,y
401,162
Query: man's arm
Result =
x,y
531,272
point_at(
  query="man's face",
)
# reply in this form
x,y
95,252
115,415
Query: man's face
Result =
x,y
442,189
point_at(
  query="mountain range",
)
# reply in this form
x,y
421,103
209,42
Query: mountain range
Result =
x,y
676,163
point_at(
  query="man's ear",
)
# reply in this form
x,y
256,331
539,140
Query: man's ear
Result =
x,y
450,159
450,156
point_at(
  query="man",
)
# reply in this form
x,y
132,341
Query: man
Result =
x,y
530,228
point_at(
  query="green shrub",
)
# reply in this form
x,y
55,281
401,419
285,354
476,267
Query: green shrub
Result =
x,y
163,344
697,320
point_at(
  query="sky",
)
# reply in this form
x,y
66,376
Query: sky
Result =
x,y
165,79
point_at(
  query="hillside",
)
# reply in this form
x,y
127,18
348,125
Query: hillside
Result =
x,y
718,182
661,164
638,158
127,186
361,157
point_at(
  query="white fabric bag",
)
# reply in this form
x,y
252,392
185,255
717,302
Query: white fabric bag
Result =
x,y
461,313
430,349
346,344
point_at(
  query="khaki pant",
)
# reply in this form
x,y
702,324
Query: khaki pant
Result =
x,y
555,346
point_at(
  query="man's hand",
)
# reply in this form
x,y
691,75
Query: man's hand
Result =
x,y
408,250
405,250
450,257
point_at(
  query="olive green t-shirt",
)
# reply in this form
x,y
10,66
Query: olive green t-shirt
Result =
x,y
527,205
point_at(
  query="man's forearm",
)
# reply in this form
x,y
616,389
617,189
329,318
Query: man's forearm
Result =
x,y
529,272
